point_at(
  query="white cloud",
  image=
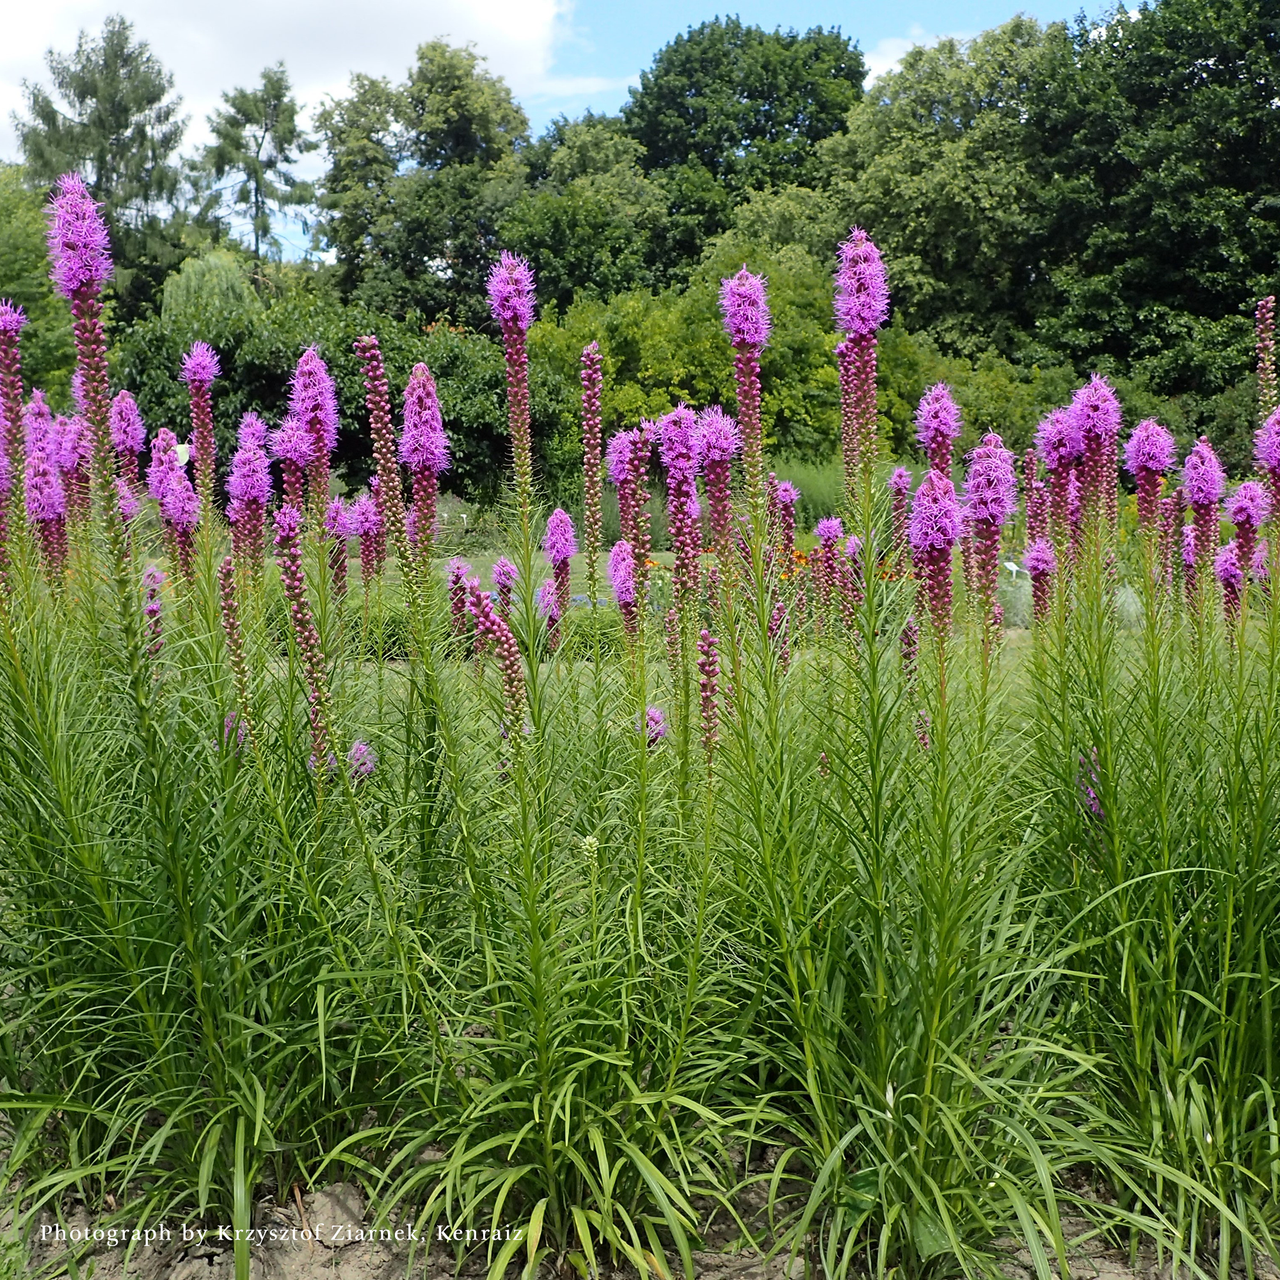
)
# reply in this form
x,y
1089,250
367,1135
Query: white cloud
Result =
x,y
213,47
886,55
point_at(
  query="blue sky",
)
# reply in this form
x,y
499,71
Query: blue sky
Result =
x,y
613,42
557,55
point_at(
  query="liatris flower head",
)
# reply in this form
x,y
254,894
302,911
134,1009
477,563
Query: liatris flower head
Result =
x,y
719,437
313,401
900,482
79,246
1226,566
12,318
1249,505
423,443
788,495
1039,559
991,486
561,542
1059,441
164,463
335,519
126,500
75,445
1261,560
1149,448
829,531
1096,410
128,432
654,725
46,496
252,431
1266,445
853,550
505,576
745,306
937,425
937,522
1203,479
617,456
510,289
200,365
622,573
362,760
291,442
548,604
679,443
250,478
1189,546
862,286
362,516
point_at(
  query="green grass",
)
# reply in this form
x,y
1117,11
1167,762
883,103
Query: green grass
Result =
x,y
553,977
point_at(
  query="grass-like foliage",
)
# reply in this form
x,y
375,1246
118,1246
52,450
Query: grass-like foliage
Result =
x,y
786,891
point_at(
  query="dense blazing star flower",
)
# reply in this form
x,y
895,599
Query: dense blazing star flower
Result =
x,y
199,368
560,546
745,306
1249,508
12,321
787,499
313,406
622,578
126,500
654,725
1041,563
200,365
337,525
1148,454
458,577
1230,574
719,441
490,628
991,497
862,286
293,446
79,246
1266,453
861,307
680,451
510,290
744,303
505,577
1203,483
424,449
362,759
128,431
1058,440
249,491
935,527
364,521
937,425
510,287
1095,411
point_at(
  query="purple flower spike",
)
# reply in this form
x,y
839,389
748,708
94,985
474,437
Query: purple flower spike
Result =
x,y
505,575
423,443
1203,482
200,365
362,760
991,487
128,432
561,542
12,318
829,531
862,286
654,725
1249,505
1148,454
1058,441
719,439
510,288
745,305
937,425
1230,574
1149,448
79,246
935,526
900,482
313,400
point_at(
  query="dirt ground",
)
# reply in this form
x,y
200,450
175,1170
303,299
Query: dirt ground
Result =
x,y
343,1251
